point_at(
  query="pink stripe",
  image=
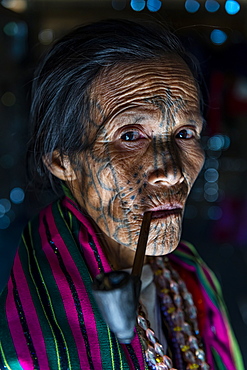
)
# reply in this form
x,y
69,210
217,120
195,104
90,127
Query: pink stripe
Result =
x,y
83,238
16,330
92,262
66,295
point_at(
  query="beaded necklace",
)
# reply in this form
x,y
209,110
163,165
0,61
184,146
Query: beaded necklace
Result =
x,y
180,315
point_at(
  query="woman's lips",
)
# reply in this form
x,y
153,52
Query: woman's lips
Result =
x,y
166,211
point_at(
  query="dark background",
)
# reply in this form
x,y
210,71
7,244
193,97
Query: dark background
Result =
x,y
216,215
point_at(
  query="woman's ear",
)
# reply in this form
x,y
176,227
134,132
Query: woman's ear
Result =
x,y
59,166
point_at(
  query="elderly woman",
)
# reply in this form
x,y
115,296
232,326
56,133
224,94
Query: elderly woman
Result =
x,y
117,121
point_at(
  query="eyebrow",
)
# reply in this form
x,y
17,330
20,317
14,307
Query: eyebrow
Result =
x,y
201,120
139,119
135,119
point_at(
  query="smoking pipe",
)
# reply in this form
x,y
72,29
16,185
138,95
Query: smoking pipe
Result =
x,y
117,292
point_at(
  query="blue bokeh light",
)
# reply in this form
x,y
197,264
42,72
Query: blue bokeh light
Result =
x,y
212,6
118,4
15,29
211,189
211,175
218,37
191,6
137,5
4,222
154,5
5,203
218,142
214,213
2,210
232,7
10,29
215,142
17,195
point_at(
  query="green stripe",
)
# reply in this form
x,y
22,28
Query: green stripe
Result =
x,y
7,347
6,363
218,364
45,324
111,349
45,273
102,329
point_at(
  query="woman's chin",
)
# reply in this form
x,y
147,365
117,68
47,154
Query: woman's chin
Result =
x,y
162,245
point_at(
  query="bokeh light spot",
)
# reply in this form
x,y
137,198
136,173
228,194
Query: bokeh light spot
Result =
x,y
215,142
218,37
192,6
4,222
2,210
46,36
154,5
5,203
211,162
10,29
15,5
17,195
211,175
212,6
8,99
214,213
137,5
118,4
211,188
211,197
232,7
218,142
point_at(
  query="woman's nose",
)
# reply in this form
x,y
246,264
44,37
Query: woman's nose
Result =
x,y
166,171
168,176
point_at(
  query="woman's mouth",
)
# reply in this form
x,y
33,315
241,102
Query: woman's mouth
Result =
x,y
166,211
165,214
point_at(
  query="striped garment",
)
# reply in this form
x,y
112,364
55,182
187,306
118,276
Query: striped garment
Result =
x,y
49,319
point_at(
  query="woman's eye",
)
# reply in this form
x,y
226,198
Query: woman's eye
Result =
x,y
130,136
185,134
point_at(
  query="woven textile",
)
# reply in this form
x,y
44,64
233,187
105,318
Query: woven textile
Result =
x,y
48,317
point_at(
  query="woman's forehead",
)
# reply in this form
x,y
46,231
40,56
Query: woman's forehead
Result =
x,y
161,84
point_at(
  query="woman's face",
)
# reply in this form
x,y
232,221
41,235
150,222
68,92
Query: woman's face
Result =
x,y
146,152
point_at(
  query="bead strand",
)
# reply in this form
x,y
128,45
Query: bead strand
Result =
x,y
154,353
180,313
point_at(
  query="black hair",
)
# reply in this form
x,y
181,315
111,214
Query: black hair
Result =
x,y
61,96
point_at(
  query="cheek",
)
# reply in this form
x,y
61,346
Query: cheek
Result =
x,y
193,163
105,190
97,182
199,160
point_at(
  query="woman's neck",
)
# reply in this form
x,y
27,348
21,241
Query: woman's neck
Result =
x,y
119,256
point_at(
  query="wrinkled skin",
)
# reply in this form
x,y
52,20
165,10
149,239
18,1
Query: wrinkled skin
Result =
x,y
146,153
